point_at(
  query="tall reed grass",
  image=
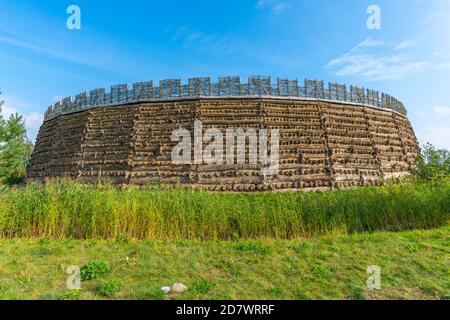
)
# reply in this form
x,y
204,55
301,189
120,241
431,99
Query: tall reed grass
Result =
x,y
68,210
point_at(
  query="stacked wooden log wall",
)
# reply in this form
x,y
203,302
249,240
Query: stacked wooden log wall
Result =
x,y
323,145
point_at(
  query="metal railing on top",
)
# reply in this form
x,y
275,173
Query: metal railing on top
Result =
x,y
258,86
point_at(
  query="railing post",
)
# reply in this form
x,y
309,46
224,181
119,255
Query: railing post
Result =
x,y
227,86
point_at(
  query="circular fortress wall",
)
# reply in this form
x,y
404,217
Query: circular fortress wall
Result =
x,y
324,141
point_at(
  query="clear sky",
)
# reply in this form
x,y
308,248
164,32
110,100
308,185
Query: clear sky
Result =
x,y
41,60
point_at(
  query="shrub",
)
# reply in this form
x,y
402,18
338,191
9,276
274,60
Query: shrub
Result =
x,y
109,288
70,295
202,287
301,247
94,270
433,165
356,293
157,294
122,240
252,247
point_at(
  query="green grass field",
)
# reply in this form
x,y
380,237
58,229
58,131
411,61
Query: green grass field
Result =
x,y
63,210
293,245
414,265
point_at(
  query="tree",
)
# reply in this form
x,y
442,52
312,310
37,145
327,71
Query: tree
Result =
x,y
433,165
2,122
445,154
15,149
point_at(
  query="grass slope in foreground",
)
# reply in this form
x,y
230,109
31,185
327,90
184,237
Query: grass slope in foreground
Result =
x,y
414,265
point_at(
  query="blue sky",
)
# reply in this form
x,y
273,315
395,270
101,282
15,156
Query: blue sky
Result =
x,y
41,60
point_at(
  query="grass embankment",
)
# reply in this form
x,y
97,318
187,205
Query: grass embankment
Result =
x,y
414,265
63,210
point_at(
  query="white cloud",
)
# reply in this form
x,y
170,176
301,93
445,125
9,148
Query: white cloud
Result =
x,y
261,4
439,136
443,66
367,43
441,55
197,40
276,7
279,8
7,111
33,120
435,129
442,111
375,66
439,14
408,44
438,112
231,44
16,42
28,45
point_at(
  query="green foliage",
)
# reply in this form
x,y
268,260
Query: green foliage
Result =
x,y
202,287
274,292
253,247
69,210
157,294
356,293
70,295
122,240
240,275
2,121
301,295
301,247
15,150
320,272
94,270
433,165
109,288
